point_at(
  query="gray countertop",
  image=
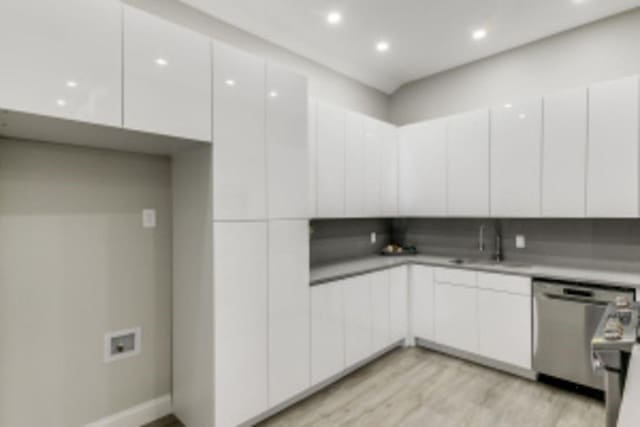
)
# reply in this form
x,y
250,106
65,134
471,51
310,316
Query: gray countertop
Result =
x,y
349,268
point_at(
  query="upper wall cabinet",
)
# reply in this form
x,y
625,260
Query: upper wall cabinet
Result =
x,y
167,77
422,169
239,154
388,173
468,164
331,161
62,59
565,151
372,167
355,162
312,164
612,170
516,140
287,149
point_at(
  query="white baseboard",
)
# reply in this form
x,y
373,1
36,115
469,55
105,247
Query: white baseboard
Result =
x,y
138,415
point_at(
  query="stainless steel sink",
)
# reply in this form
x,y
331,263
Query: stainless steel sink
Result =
x,y
488,263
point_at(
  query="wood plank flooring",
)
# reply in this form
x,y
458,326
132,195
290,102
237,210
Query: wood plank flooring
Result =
x,y
419,388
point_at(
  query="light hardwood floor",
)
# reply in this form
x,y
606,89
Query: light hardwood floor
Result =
x,y
419,388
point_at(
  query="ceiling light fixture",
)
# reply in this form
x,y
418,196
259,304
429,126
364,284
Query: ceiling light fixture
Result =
x,y
334,18
71,83
273,94
507,105
230,82
161,62
522,116
382,46
61,103
479,34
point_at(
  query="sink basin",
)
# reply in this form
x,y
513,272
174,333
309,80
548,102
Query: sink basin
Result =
x,y
488,262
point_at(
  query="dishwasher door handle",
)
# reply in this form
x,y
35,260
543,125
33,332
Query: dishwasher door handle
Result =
x,y
578,293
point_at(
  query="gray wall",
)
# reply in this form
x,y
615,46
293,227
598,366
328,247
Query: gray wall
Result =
x,y
75,263
324,83
604,50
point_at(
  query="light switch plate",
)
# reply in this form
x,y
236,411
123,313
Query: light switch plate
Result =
x,y
373,237
521,241
149,218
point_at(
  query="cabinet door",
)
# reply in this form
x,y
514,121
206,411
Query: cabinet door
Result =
x,y
355,160
239,153
612,171
468,164
286,99
312,159
357,319
289,310
516,137
62,59
389,170
456,317
380,310
422,302
372,166
423,169
504,327
398,304
167,77
331,161
240,321
327,331
565,154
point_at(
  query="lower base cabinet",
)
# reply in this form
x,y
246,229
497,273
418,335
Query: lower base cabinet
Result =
x,y
398,304
327,331
422,301
357,319
456,317
380,305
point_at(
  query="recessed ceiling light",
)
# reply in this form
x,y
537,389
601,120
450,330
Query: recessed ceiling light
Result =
x,y
334,18
161,62
230,82
382,46
61,103
479,34
578,1
522,116
273,94
71,83
508,105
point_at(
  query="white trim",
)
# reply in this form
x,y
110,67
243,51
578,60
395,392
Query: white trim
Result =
x,y
137,415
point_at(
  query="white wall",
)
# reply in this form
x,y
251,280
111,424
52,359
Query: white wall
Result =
x,y
603,50
324,83
75,263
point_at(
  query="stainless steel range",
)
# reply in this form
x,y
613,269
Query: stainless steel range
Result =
x,y
611,347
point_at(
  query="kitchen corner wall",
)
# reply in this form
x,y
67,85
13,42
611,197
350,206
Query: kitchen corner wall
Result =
x,y
76,263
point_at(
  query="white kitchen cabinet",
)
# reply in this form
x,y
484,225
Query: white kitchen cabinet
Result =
x,y
312,165
422,302
422,167
565,154
612,169
380,292
240,310
355,161
289,310
516,142
372,166
456,317
388,170
398,304
468,164
167,77
239,154
357,319
504,327
62,59
286,137
327,331
331,161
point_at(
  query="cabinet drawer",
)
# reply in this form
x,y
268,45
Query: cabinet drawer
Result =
x,y
505,283
455,276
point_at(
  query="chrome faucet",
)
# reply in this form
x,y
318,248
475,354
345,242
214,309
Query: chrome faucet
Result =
x,y
481,237
497,254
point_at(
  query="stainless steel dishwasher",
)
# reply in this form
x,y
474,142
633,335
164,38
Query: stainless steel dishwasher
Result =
x,y
565,317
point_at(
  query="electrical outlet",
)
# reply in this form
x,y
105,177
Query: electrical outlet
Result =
x,y
373,237
122,344
149,218
521,241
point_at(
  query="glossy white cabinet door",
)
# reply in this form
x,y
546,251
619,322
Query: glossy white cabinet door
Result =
x,y
398,304
240,286
456,317
289,309
239,153
372,166
389,170
167,77
331,161
380,292
516,142
327,331
565,154
311,159
357,319
62,59
504,327
468,164
612,170
422,166
422,302
355,161
286,99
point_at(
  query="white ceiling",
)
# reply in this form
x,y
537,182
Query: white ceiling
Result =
x,y
426,36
